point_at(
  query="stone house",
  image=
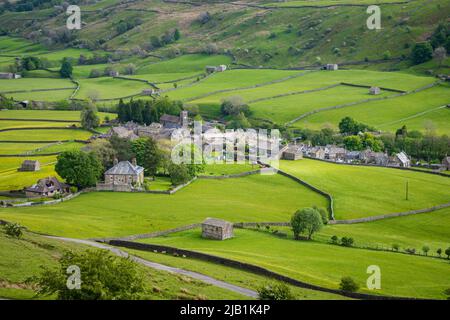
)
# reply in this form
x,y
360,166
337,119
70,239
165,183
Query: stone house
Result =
x,y
30,165
352,156
125,173
9,75
148,92
122,132
400,160
221,68
210,69
170,121
217,229
151,130
47,187
331,67
446,163
293,152
334,153
316,152
374,90
114,73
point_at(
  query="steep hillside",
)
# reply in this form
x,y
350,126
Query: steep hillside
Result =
x,y
267,33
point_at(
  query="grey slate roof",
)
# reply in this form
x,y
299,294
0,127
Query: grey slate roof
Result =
x,y
125,167
170,118
216,222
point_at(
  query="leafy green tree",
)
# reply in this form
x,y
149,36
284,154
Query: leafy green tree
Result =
x,y
425,249
447,252
66,69
421,52
306,220
323,213
176,35
102,276
13,230
275,291
147,154
347,241
123,148
179,174
439,252
79,168
348,284
334,239
395,247
353,143
89,117
104,151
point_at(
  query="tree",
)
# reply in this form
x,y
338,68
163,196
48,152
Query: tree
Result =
x,y
347,241
353,143
130,69
147,154
179,174
348,284
306,220
421,52
334,239
348,126
66,69
123,147
233,106
103,277
104,151
176,35
275,291
439,252
89,117
79,168
425,249
323,213
440,54
395,247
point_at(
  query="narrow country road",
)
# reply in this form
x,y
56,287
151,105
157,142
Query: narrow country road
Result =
x,y
157,266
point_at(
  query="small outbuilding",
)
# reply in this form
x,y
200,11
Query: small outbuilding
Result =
x,y
30,165
217,229
331,66
374,90
293,152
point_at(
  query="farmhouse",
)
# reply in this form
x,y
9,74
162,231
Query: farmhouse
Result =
x,y
293,152
400,160
334,153
114,73
211,69
9,75
316,152
170,121
378,158
148,92
331,67
125,173
30,165
47,187
374,90
217,229
122,132
446,163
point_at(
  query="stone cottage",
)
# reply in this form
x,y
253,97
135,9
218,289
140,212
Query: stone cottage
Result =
x,y
293,152
9,75
125,173
401,160
446,163
30,165
170,121
374,90
331,67
217,229
47,187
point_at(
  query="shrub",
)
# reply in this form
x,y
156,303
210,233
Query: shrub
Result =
x,y
334,240
447,293
447,252
347,241
348,284
410,250
13,230
421,52
439,252
425,249
73,189
323,213
395,247
275,291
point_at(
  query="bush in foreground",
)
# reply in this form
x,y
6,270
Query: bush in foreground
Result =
x,y
275,291
348,284
101,277
13,230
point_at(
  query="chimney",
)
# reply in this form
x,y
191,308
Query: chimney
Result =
x,y
133,162
184,119
115,161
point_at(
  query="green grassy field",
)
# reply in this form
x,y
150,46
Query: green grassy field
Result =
x,y
45,135
220,169
413,110
25,84
319,3
109,88
105,214
428,229
368,191
11,179
22,259
323,264
48,115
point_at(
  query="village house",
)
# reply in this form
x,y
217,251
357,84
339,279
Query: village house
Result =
x,y
170,121
316,152
217,229
400,160
334,153
122,132
374,90
352,156
212,69
114,73
293,152
9,75
151,130
331,67
30,165
125,173
148,92
378,158
446,163
47,187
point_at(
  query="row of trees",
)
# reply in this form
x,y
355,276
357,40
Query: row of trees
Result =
x,y
149,111
437,47
168,37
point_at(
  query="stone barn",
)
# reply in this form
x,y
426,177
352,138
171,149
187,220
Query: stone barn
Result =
x,y
332,67
217,229
374,90
30,165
